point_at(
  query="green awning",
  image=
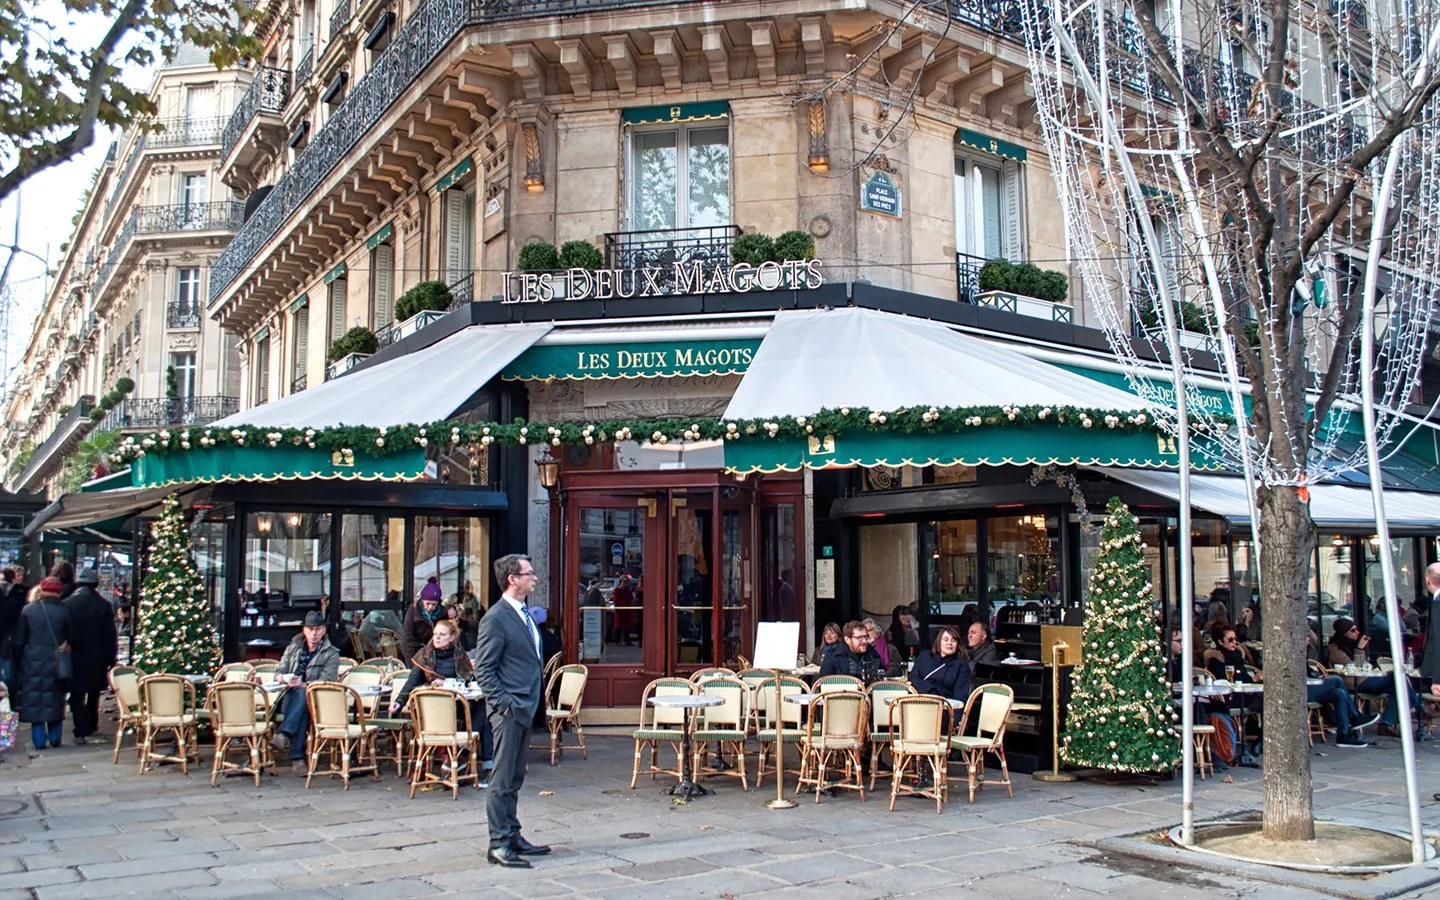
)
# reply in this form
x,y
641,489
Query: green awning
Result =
x,y
678,112
381,236
982,446
337,272
300,303
632,360
262,334
265,463
454,175
988,144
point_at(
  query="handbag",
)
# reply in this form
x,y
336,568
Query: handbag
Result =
x,y
8,722
64,665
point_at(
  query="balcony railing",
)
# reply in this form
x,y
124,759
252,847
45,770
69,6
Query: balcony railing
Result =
x,y
339,18
185,132
297,384
162,412
182,315
305,66
70,428
664,249
462,291
266,94
218,216
967,276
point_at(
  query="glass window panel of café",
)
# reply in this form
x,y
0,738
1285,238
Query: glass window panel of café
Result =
x,y
287,565
1210,571
208,531
1023,563
611,587
1407,574
693,602
372,572
950,564
456,551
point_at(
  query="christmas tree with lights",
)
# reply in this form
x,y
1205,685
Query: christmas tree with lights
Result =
x,y
175,633
1121,718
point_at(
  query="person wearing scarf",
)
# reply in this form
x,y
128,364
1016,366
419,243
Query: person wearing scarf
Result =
x,y
420,619
1348,647
442,657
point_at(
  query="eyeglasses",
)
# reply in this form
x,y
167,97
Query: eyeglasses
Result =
x,y
1353,631
1229,640
860,637
527,574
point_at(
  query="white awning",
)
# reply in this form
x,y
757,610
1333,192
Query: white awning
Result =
x,y
1332,506
79,509
424,386
831,358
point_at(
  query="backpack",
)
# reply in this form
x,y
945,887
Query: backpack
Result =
x,y
1223,742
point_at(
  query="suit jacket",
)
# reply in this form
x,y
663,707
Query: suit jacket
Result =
x,y
506,664
1430,652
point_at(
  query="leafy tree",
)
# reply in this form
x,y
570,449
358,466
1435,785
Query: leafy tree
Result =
x,y
58,90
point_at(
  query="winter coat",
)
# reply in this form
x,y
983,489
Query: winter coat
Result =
x,y
418,629
12,600
39,694
324,664
943,676
93,643
985,653
1430,654
864,666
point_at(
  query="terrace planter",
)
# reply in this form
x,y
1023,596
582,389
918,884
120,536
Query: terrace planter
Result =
x,y
344,364
1026,306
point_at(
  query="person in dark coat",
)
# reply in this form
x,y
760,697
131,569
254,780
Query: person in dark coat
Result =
x,y
39,695
549,637
943,670
857,658
420,619
65,571
93,645
11,602
981,646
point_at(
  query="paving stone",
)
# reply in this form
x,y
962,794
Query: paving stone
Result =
x,y
147,866
664,871
39,877
177,847
69,858
158,884
387,890
807,869
235,890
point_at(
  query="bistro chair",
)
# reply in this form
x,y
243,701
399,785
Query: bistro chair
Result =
x,y
555,661
388,663
840,717
881,731
389,643
346,664
236,671
167,704
265,669
566,693
332,707
916,723
789,716
368,676
1314,714
125,684
360,645
1204,759
991,704
723,726
234,720
700,676
828,683
660,726
442,725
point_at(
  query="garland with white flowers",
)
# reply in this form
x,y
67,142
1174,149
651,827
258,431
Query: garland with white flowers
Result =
x,y
381,441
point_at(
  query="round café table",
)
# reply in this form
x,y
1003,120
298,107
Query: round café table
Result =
x,y
687,788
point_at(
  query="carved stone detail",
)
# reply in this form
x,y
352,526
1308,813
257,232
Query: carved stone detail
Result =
x,y
534,165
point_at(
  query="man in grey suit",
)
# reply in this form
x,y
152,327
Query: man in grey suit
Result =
x,y
508,665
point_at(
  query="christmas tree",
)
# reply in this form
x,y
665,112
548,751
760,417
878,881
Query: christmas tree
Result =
x,y
175,633
1121,718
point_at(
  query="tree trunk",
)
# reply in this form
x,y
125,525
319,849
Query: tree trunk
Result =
x,y
1287,539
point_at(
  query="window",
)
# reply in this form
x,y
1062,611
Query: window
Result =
x,y
184,366
680,177
300,343
382,284
192,201
337,308
1144,284
200,114
988,219
459,233
186,311
262,370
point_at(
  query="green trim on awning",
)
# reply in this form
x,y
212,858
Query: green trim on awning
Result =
x,y
1043,444
300,303
678,112
988,144
454,175
631,359
262,334
381,236
337,272
266,463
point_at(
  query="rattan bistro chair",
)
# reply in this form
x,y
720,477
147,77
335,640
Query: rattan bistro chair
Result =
x,y
566,693
700,676
167,704
125,683
834,739
990,704
827,683
659,725
233,718
368,676
724,726
236,671
442,725
881,731
918,744
332,731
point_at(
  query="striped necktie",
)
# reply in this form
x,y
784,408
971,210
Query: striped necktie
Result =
x,y
534,629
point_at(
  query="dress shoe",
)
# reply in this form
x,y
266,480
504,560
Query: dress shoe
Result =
x,y
1437,796
507,857
525,848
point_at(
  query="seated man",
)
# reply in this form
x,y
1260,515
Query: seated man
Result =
x,y
309,658
856,658
979,646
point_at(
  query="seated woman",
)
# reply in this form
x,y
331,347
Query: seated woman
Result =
x,y
439,659
942,670
1349,647
829,641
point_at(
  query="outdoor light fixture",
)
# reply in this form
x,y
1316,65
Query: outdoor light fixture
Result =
x,y
293,520
262,524
549,469
1337,541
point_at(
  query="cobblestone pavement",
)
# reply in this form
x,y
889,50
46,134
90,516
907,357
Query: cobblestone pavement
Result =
x,y
74,825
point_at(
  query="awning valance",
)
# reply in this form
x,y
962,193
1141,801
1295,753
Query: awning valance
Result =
x,y
426,385
631,359
80,509
230,463
675,112
1002,149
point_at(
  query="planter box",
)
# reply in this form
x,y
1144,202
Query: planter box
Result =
x,y
1190,340
416,322
344,364
1026,306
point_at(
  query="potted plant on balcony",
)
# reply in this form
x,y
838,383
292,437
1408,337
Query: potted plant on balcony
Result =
x,y
1195,324
422,304
1024,288
350,348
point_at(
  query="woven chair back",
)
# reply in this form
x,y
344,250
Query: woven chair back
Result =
x,y
995,701
918,718
880,691
842,714
435,712
364,675
234,703
125,681
164,695
571,691
753,677
330,705
702,675
389,643
235,672
670,687
265,670
729,715
1201,676
389,663
790,713
839,683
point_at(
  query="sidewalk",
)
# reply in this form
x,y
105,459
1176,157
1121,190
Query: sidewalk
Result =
x,y
74,825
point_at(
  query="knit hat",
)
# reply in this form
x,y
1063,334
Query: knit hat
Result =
x,y
539,614
50,586
431,590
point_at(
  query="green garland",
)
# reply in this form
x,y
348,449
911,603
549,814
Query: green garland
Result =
x,y
378,442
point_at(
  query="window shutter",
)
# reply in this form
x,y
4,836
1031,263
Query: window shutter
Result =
x,y
262,371
454,234
337,309
1170,255
384,270
1014,212
467,235
302,341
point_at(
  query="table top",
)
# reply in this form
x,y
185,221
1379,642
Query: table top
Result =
x,y
687,701
197,679
806,670
801,698
888,698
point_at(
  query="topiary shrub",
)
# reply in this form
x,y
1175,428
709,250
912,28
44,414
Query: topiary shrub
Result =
x,y
540,256
996,275
795,245
97,413
577,255
106,402
1054,286
425,295
357,340
753,249
124,385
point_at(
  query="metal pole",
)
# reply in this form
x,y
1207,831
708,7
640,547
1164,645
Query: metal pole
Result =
x,y
779,802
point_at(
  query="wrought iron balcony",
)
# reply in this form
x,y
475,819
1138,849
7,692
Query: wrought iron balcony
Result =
x,y
339,18
297,384
305,66
664,249
184,132
219,215
267,93
71,427
462,291
967,276
182,315
161,412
